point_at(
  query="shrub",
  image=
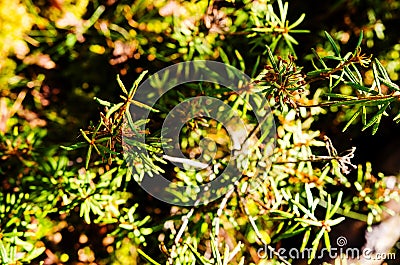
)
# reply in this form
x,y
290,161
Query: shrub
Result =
x,y
74,195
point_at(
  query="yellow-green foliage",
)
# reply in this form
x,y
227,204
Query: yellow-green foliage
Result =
x,y
15,23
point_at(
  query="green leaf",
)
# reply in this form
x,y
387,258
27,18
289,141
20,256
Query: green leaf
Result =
x,y
253,72
376,77
318,72
297,22
105,150
362,88
328,206
274,16
142,105
310,198
350,75
126,226
300,31
308,222
143,221
13,250
283,10
241,60
36,252
121,85
85,136
355,115
88,155
215,250
397,118
327,241
304,242
70,40
283,213
331,57
315,244
364,115
229,256
113,109
376,118
223,56
370,218
334,45
3,253
96,15
376,125
358,73
85,211
304,210
199,258
380,101
275,42
382,69
389,83
289,38
136,83
291,233
336,206
74,146
335,221
147,257
360,38
272,59
102,102
318,58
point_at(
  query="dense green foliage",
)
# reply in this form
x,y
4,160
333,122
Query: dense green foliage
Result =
x,y
68,194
